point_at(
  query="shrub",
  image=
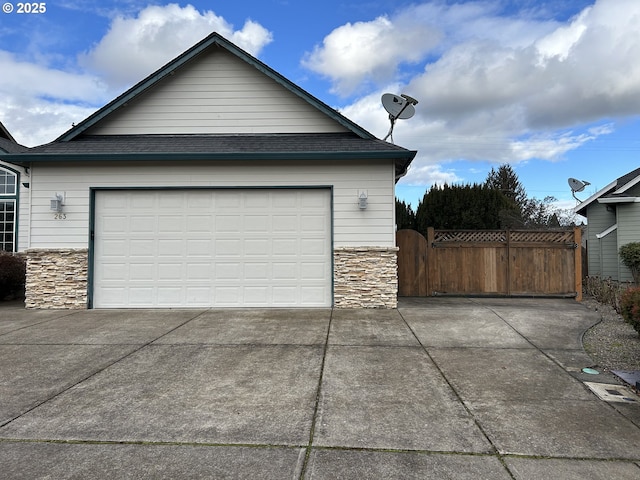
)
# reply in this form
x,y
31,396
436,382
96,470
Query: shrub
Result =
x,y
605,290
630,256
630,307
12,274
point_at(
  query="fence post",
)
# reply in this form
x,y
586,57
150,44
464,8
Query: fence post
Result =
x,y
577,240
429,265
507,234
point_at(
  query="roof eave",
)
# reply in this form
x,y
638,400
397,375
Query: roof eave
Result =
x,y
582,208
27,158
627,185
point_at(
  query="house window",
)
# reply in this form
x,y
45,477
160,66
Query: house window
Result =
x,y
8,199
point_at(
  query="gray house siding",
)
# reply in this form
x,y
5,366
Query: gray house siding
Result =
x,y
607,247
628,231
601,251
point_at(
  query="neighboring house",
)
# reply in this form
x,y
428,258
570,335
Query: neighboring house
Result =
x,y
613,220
214,182
11,189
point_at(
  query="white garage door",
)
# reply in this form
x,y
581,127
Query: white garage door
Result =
x,y
210,248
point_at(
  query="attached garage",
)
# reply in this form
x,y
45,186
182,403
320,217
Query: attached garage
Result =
x,y
214,182
212,248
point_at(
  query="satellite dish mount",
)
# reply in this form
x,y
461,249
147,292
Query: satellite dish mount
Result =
x,y
577,186
398,106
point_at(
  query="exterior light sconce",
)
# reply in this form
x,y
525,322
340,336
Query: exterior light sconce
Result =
x,y
362,200
57,202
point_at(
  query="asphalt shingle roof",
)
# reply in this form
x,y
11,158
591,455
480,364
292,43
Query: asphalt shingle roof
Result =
x,y
218,144
10,146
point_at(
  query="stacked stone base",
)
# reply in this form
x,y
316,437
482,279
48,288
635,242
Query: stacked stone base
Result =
x,y
56,278
365,277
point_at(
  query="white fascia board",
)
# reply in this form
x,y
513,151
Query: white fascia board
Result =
x,y
628,185
594,197
619,200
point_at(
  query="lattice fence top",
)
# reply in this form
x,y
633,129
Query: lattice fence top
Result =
x,y
515,236
566,236
469,236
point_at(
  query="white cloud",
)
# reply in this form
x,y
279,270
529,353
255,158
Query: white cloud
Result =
x,y
576,74
26,80
369,51
38,102
34,122
136,46
511,89
420,174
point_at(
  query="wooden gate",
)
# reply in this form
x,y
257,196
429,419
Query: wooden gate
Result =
x,y
490,262
412,264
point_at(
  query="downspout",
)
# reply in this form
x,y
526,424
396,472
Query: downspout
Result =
x,y
30,215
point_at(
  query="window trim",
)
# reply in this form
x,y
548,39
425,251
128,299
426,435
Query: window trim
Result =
x,y
12,197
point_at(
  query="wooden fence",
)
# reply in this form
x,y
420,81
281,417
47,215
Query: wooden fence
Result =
x,y
490,262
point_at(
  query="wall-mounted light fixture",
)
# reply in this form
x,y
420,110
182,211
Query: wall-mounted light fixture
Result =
x,y
362,200
57,202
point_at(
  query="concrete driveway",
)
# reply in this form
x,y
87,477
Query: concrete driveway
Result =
x,y
439,388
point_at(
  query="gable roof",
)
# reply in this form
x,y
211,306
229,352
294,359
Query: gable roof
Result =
x,y
8,143
79,144
612,193
4,133
212,41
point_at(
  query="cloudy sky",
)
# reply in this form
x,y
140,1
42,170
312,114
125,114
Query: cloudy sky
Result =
x,y
550,87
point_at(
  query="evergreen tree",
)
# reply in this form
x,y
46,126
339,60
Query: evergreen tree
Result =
x,y
405,216
505,180
470,207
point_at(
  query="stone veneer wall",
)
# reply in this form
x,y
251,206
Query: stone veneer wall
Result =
x,y
56,278
365,277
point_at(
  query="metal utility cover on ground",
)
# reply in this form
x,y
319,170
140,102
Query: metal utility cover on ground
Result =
x,y
613,393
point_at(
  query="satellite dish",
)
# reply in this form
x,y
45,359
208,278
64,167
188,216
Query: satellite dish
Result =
x,y
398,107
577,186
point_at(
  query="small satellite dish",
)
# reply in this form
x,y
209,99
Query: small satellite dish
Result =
x,y
398,107
577,186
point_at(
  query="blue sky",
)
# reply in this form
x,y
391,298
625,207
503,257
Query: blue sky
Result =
x,y
550,87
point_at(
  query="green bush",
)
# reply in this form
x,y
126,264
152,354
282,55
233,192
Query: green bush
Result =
x,y
630,256
12,274
630,307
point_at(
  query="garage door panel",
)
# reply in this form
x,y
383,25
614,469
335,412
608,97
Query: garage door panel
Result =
x,y
313,271
199,223
142,272
199,248
257,247
313,294
141,295
212,248
170,296
227,271
255,224
312,223
227,247
114,272
115,224
169,272
227,223
285,271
